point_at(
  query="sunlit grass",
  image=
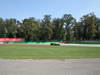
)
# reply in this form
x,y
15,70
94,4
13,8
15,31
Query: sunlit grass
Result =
x,y
31,52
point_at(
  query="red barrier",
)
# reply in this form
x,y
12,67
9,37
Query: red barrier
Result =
x,y
11,40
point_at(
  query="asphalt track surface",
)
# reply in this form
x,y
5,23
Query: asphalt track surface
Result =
x,y
61,44
82,45
50,67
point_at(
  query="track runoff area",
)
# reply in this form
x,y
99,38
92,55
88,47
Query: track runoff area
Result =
x,y
20,41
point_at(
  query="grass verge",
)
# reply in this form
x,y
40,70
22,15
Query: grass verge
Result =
x,y
30,52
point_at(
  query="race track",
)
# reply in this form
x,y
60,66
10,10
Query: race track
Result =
x,y
50,67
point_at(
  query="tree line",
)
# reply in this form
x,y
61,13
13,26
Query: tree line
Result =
x,y
52,29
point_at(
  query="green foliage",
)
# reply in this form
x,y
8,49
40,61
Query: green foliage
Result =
x,y
89,26
2,28
69,23
29,29
56,29
47,27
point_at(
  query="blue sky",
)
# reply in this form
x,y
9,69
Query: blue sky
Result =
x,y
21,9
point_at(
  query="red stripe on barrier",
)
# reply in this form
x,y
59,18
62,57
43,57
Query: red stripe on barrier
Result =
x,y
11,40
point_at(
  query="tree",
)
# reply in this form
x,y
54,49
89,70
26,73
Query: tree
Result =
x,y
69,23
2,28
46,27
78,31
10,27
89,26
20,30
58,29
29,28
97,29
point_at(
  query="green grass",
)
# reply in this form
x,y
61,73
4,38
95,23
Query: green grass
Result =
x,y
30,52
